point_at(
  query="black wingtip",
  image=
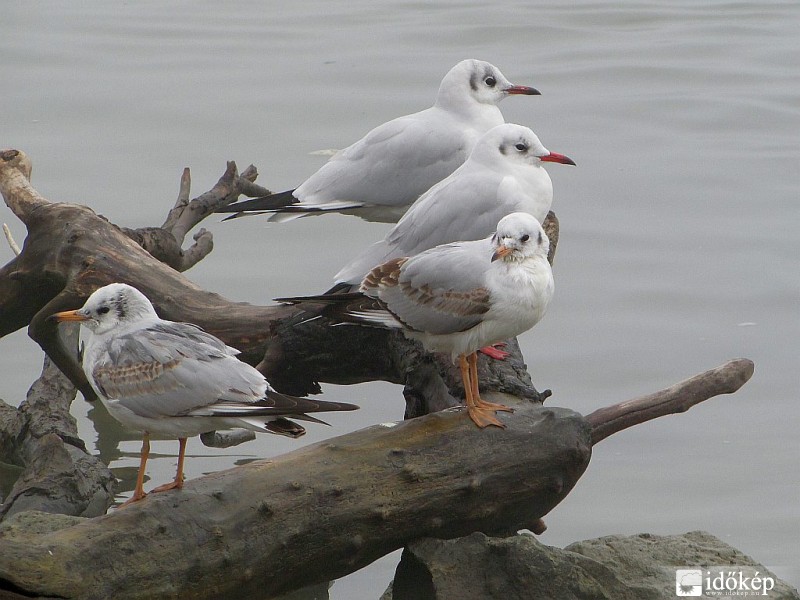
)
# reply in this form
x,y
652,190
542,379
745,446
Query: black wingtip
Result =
x,y
272,202
341,288
283,426
326,298
307,405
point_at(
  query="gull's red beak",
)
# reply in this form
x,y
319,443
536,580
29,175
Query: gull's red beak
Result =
x,y
523,90
557,158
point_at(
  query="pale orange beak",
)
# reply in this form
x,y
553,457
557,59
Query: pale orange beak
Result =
x,y
68,315
501,252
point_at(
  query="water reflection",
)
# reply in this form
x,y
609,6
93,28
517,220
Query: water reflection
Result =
x,y
108,446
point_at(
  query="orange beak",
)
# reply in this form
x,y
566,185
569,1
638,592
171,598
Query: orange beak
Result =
x,y
68,315
501,252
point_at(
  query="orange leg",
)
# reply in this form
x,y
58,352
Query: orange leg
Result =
x,y
138,493
473,365
178,481
465,378
481,416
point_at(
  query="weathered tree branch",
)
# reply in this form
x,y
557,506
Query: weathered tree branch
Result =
x,y
725,379
326,510
314,514
165,242
58,475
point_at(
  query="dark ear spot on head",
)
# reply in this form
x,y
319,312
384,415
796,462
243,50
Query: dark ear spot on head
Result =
x,y
473,82
541,239
121,307
503,148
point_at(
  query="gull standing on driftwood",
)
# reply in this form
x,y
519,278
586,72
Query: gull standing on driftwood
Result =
x,y
381,174
457,298
174,379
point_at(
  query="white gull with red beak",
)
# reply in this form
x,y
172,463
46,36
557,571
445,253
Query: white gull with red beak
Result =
x,y
504,174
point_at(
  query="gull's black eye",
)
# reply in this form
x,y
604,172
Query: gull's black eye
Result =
x,y
525,238
490,81
103,310
521,147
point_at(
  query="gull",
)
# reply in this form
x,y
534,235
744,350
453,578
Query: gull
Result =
x,y
503,174
381,174
174,379
457,298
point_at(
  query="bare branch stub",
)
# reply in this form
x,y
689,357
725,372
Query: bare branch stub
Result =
x,y
725,379
165,242
551,228
15,185
183,200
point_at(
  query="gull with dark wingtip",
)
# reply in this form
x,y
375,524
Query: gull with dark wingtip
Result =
x,y
456,298
381,174
175,380
503,174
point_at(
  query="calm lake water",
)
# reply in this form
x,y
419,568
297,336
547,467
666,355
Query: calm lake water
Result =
x,y
679,226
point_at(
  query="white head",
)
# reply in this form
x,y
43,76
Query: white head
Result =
x,y
109,307
514,144
479,82
519,236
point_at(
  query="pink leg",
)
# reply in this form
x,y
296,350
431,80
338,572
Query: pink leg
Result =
x,y
494,351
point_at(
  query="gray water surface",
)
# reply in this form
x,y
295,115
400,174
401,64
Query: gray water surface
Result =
x,y
679,226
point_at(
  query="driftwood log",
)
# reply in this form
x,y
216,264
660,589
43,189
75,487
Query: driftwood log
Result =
x,y
328,509
58,474
311,515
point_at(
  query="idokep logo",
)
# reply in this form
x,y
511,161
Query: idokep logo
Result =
x,y
721,582
689,582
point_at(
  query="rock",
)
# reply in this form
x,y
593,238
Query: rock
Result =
x,y
652,560
63,479
640,567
